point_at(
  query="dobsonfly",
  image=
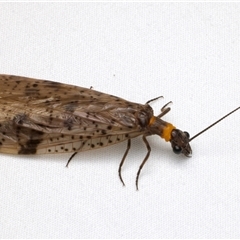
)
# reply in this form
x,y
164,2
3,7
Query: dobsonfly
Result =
x,y
43,117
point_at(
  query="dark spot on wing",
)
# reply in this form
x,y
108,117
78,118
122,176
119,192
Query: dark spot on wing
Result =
x,y
29,91
71,106
68,123
104,132
30,146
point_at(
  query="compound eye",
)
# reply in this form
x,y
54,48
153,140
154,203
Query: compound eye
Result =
x,y
187,135
177,149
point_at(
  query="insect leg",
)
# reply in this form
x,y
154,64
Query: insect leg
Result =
x,y
151,100
164,110
70,158
144,160
74,154
122,161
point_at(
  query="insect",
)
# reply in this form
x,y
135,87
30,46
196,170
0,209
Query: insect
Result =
x,y
43,117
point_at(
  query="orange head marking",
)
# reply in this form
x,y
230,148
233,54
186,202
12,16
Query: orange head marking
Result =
x,y
167,130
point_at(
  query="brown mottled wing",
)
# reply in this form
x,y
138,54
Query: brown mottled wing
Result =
x,y
39,116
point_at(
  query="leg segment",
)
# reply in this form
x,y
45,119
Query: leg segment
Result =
x,y
69,160
144,160
151,100
164,110
122,161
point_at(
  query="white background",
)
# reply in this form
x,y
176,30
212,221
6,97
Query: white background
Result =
x,y
187,52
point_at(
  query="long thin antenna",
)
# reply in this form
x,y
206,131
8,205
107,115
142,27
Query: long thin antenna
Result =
x,y
213,124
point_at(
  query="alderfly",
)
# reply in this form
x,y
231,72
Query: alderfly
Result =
x,y
43,117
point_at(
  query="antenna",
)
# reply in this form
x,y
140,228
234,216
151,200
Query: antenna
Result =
x,y
204,130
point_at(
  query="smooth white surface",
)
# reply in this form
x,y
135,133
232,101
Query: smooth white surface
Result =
x,y
187,52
